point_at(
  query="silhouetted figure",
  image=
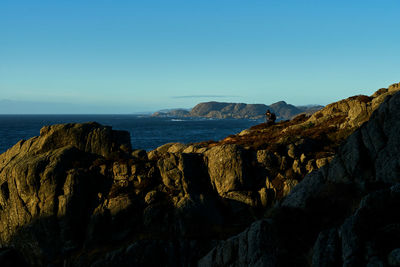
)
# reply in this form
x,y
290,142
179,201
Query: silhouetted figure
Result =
x,y
270,117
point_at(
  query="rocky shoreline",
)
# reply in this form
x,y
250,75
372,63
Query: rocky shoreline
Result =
x,y
318,190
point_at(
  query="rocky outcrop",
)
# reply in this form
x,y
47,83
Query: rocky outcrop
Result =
x,y
344,214
282,195
89,137
49,186
354,111
222,110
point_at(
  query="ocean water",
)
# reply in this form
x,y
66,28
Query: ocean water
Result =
x,y
146,132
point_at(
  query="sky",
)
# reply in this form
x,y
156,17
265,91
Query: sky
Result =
x,y
119,56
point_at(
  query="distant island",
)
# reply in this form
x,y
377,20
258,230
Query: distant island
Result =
x,y
223,110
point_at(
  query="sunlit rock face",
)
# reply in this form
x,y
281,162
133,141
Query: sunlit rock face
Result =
x,y
49,187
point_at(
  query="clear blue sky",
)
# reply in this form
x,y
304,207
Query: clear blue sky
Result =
x,y
131,56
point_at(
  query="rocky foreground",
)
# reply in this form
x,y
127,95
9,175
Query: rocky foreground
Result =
x,y
320,190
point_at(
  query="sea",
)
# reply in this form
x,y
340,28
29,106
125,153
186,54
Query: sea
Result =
x,y
146,132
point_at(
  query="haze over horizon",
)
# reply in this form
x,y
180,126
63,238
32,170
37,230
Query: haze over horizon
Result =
x,y
130,56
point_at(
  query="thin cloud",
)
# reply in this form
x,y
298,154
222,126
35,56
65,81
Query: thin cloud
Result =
x,y
204,96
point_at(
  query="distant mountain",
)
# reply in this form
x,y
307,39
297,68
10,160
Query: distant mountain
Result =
x,y
222,110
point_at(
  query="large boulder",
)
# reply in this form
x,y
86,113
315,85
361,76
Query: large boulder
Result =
x,y
89,137
50,185
227,168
